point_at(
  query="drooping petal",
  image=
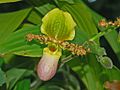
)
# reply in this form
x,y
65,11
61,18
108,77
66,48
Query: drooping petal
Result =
x,y
59,25
47,66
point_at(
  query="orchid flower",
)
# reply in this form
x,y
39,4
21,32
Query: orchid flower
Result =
x,y
58,25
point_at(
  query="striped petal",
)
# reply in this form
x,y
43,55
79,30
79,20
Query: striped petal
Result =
x,y
59,25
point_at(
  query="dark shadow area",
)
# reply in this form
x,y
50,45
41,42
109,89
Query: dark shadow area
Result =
x,y
107,8
15,6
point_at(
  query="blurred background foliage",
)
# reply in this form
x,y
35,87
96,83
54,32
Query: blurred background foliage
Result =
x,y
18,58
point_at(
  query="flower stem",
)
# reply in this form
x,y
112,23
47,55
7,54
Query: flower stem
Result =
x,y
70,57
100,34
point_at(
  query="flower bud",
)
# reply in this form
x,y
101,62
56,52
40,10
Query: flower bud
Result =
x,y
106,62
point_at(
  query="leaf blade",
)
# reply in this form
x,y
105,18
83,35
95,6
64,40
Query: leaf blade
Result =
x,y
23,85
8,1
17,43
10,22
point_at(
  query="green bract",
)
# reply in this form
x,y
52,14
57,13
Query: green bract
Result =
x,y
106,62
58,25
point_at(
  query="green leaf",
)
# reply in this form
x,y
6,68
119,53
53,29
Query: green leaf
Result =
x,y
17,43
47,87
36,15
110,74
68,1
85,26
84,31
14,74
23,85
118,37
67,82
91,72
10,22
112,40
2,77
37,3
8,1
35,18
45,8
1,61
88,71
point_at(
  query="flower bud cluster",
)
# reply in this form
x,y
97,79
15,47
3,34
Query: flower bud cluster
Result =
x,y
74,48
104,23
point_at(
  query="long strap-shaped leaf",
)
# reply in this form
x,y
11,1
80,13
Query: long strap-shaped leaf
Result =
x,y
86,29
90,72
10,22
8,1
16,43
85,26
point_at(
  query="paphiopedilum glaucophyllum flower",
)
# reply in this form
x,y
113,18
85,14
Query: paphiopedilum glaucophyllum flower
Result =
x,y
58,25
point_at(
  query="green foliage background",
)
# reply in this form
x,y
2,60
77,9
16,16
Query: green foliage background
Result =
x,y
18,58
